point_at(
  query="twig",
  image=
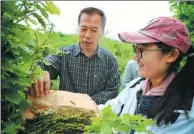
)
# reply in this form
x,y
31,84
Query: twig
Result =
x,y
24,17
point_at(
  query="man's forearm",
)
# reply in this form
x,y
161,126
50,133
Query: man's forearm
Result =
x,y
103,96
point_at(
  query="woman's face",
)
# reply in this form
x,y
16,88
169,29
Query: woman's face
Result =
x,y
152,63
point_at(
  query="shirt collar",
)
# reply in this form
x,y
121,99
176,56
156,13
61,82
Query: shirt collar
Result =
x,y
99,52
78,50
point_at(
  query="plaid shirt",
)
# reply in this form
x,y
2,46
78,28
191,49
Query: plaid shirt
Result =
x,y
97,76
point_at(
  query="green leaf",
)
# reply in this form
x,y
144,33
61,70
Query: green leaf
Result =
x,y
40,19
52,9
108,114
20,69
105,129
12,128
18,96
94,127
122,128
32,21
27,50
134,117
26,82
5,83
42,10
9,6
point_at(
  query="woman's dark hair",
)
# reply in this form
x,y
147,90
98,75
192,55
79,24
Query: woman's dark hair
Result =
x,y
92,10
179,94
176,64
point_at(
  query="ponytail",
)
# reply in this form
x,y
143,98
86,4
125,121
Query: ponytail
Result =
x,y
187,72
178,96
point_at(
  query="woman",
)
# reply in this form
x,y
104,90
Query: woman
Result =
x,y
167,94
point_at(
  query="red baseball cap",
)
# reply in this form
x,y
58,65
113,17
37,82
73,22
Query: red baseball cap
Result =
x,y
168,30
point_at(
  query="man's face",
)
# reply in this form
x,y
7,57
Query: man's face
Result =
x,y
90,31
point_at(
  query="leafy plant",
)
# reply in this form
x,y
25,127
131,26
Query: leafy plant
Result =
x,y
109,123
21,47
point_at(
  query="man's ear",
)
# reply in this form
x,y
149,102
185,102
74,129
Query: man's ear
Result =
x,y
173,55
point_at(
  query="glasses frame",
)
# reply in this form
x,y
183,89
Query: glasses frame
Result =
x,y
139,51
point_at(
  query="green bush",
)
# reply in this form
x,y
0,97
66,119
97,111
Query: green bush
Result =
x,y
21,49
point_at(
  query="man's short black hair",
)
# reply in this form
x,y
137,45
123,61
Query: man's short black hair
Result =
x,y
93,10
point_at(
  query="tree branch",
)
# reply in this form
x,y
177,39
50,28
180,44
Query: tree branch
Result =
x,y
24,17
48,35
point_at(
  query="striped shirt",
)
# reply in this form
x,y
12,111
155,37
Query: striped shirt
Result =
x,y
97,76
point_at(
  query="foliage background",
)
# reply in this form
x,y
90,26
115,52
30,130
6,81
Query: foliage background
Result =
x,y
184,10
21,48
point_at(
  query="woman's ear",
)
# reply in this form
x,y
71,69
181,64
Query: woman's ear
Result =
x,y
173,55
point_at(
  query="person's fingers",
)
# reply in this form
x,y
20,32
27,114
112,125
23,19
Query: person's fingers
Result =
x,y
41,87
46,82
35,88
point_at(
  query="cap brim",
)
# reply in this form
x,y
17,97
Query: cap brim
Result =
x,y
135,37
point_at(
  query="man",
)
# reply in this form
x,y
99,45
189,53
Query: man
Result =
x,y
85,67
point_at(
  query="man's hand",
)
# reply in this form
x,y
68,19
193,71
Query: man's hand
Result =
x,y
41,87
